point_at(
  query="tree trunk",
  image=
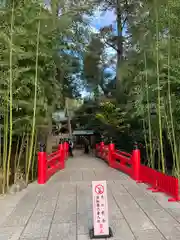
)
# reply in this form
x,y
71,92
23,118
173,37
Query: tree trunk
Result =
x,y
119,45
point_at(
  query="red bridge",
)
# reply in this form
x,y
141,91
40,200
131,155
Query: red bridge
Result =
x,y
59,206
125,162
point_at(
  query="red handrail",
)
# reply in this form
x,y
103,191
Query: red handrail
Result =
x,y
49,164
123,153
122,165
131,165
52,154
123,159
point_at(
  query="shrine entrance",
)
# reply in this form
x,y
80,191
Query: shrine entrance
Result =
x,y
78,136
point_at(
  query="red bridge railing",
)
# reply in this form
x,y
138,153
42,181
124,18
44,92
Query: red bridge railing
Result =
x,y
50,164
122,162
131,165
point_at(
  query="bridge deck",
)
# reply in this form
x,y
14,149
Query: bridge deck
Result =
x,y
62,209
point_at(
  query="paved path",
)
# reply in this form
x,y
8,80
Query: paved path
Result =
x,y
62,209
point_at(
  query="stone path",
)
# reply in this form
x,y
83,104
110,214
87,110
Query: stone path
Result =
x,y
62,209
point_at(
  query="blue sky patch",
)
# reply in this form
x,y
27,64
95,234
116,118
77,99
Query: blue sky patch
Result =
x,y
103,19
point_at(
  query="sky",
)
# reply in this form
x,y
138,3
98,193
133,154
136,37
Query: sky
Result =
x,y
100,19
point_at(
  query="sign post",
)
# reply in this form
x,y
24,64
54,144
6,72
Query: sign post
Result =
x,y
101,227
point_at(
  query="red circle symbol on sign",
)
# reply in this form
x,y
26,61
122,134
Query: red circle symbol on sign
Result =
x,y
99,189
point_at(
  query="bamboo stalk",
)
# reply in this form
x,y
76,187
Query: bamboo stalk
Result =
x,y
158,86
5,144
169,94
16,158
169,134
146,143
35,100
149,116
27,153
33,158
20,151
10,95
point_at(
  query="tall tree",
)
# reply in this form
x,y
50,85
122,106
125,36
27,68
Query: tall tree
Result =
x,y
95,66
115,37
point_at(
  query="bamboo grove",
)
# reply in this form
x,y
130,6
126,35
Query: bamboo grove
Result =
x,y
155,83
36,75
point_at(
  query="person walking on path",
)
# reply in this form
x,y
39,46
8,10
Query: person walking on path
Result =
x,y
86,145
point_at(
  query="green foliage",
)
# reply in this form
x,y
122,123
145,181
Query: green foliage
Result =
x,y
92,61
146,85
111,115
39,67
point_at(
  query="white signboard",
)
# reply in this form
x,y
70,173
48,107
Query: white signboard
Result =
x,y
100,208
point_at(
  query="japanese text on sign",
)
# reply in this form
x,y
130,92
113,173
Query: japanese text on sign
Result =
x,y
100,208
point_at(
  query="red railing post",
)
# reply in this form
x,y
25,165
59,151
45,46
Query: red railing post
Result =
x,y
101,148
111,149
62,154
136,163
42,167
176,197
